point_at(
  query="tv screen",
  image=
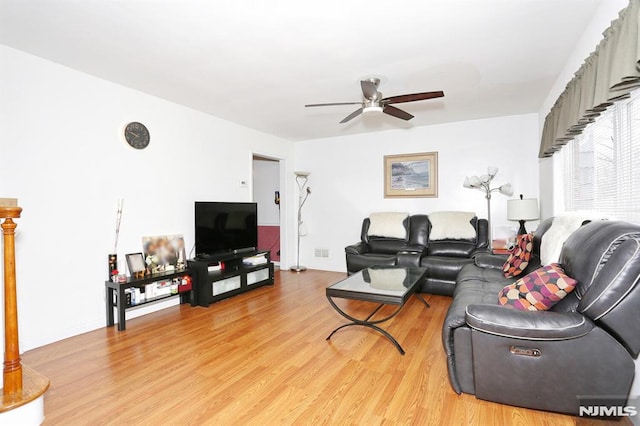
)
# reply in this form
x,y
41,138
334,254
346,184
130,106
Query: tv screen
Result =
x,y
224,227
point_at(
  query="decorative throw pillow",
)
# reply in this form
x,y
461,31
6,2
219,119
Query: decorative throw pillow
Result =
x,y
519,257
539,290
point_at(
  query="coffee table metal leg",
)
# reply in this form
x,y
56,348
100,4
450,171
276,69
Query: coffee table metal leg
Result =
x,y
374,327
374,311
367,323
419,296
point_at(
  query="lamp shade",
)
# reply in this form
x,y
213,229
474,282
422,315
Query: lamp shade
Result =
x,y
506,189
526,209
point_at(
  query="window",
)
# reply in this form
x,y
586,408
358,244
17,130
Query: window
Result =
x,y
602,165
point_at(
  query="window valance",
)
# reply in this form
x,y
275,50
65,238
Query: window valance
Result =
x,y
609,74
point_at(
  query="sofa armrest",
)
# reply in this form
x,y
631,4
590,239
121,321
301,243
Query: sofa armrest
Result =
x,y
482,251
359,248
527,325
415,248
408,258
489,261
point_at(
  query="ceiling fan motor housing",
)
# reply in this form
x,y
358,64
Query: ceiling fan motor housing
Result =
x,y
370,103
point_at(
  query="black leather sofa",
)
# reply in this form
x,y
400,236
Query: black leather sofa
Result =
x,y
443,258
584,346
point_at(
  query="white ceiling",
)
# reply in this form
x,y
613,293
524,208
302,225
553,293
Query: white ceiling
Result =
x,y
257,63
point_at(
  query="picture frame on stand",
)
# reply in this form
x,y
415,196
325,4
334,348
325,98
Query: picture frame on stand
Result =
x,y
164,253
136,265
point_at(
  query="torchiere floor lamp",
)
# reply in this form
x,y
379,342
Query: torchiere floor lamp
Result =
x,y
303,194
483,183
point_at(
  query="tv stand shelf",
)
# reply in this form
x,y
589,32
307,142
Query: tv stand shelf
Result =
x,y
234,278
115,294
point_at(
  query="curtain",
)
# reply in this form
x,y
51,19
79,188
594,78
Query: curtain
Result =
x,y
606,76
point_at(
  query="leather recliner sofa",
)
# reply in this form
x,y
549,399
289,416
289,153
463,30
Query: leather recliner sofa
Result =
x,y
443,258
584,346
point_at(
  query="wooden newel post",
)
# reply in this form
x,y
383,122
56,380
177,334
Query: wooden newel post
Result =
x,y
12,372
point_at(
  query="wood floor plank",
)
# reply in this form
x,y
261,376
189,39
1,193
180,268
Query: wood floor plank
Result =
x,y
261,358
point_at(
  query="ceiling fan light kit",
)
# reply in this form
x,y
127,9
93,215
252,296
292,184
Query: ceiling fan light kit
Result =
x,y
372,110
373,103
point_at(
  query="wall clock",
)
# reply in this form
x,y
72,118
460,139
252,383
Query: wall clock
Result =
x,y
137,135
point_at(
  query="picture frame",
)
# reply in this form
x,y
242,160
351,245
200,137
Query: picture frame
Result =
x,y
136,264
411,175
164,253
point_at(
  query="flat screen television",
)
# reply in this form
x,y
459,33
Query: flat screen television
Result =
x,y
225,227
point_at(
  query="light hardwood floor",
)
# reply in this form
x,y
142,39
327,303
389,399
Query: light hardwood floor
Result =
x,y
260,359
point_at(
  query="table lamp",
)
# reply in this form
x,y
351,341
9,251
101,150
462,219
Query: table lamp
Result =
x,y
521,210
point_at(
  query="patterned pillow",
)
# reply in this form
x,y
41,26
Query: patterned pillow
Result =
x,y
519,257
539,290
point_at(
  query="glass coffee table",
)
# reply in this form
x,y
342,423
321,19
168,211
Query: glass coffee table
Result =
x,y
384,285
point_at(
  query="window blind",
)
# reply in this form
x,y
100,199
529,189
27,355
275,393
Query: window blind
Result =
x,y
602,165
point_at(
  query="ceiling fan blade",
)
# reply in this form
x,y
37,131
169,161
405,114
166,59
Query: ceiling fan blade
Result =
x,y
369,89
397,112
354,114
333,103
412,97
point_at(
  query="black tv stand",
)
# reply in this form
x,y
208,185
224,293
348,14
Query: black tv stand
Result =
x,y
116,294
212,282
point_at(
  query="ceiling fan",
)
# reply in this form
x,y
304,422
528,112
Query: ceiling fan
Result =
x,y
373,102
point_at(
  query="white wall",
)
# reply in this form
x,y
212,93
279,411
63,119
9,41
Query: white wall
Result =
x,y
266,180
64,158
347,176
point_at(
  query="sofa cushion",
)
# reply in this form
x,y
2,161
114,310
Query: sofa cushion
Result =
x,y
358,262
462,248
386,245
452,226
519,257
388,225
474,273
491,261
443,267
539,290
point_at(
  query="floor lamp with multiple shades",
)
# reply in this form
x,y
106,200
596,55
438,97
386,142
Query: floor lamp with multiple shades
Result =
x,y
483,183
303,193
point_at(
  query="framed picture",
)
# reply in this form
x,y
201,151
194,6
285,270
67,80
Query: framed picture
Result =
x,y
164,253
411,175
135,263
